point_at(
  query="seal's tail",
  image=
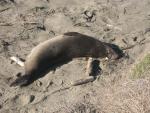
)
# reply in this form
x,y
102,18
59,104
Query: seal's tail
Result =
x,y
20,81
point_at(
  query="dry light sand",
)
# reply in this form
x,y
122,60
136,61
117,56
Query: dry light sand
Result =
x,y
26,23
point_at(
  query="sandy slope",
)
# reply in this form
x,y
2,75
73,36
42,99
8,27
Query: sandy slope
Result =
x,y
25,23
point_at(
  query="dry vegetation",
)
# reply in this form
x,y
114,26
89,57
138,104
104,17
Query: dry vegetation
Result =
x,y
142,68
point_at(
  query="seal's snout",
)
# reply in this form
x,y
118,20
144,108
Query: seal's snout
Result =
x,y
114,52
111,54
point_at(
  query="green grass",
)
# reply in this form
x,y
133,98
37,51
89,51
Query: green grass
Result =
x,y
142,68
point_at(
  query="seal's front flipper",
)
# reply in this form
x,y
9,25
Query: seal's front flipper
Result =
x,y
93,68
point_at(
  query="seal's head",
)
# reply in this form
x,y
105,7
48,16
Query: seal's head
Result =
x,y
113,51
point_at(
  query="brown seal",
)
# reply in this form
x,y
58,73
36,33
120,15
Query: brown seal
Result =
x,y
59,49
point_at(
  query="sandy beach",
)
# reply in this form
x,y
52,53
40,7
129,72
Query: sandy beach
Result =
x,y
122,87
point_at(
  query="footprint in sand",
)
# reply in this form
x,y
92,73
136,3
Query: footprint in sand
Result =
x,y
20,100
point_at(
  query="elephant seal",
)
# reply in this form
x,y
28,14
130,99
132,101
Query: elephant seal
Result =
x,y
61,48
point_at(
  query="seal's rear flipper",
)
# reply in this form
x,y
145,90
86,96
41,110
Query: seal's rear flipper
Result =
x,y
21,81
18,61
